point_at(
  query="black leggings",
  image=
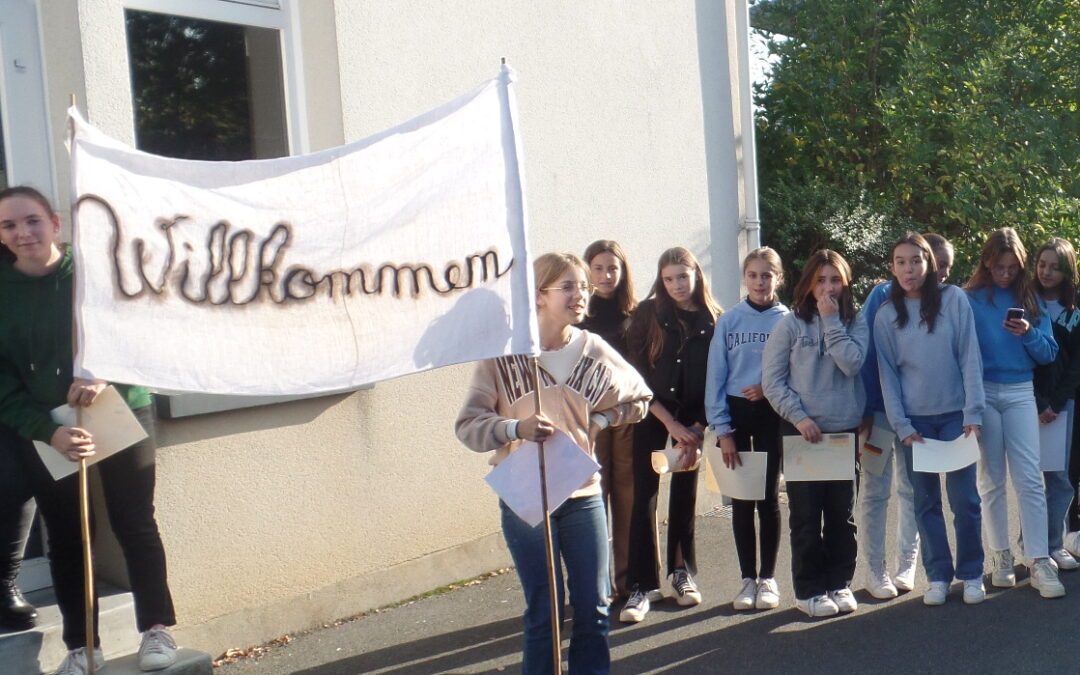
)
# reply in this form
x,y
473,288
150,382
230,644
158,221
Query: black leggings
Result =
x,y
758,421
649,435
16,505
128,479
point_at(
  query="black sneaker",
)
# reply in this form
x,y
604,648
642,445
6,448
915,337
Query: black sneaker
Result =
x,y
636,607
686,591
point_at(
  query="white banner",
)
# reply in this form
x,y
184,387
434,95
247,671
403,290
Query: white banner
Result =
x,y
395,254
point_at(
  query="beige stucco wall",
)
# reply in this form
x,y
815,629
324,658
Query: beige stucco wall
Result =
x,y
281,517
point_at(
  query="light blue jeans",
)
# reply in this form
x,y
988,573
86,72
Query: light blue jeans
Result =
x,y
1059,491
874,493
1010,439
963,500
579,537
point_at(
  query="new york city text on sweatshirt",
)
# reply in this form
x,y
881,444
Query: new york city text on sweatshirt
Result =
x,y
226,265
590,377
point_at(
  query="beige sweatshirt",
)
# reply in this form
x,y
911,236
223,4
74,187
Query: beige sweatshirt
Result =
x,y
502,391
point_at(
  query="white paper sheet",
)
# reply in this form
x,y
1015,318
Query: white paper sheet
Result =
x,y
517,478
932,456
877,449
743,482
832,458
1053,442
111,422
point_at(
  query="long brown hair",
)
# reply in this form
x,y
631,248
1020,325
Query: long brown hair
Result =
x,y
1000,242
624,292
1066,256
929,294
29,193
646,335
806,303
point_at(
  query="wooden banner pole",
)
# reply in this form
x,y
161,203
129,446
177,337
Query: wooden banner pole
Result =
x,y
553,592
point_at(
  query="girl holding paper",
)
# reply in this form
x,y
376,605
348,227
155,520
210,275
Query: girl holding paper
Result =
x,y
669,343
1056,383
500,412
810,375
931,385
1014,337
36,277
610,308
742,419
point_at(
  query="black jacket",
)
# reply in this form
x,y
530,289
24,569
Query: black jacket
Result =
x,y
1056,382
677,379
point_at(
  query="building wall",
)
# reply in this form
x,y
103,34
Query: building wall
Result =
x,y
281,517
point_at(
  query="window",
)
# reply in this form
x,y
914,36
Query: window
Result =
x,y
206,89
3,158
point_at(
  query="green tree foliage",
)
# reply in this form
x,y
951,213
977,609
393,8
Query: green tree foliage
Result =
x,y
952,116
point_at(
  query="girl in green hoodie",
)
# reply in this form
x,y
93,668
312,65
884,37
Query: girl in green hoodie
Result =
x,y
36,376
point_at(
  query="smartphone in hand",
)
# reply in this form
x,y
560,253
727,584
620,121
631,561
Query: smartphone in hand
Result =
x,y
1014,313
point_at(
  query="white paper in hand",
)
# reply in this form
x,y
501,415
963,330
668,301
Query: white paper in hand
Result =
x,y
831,458
933,456
743,482
517,478
110,421
877,449
1052,444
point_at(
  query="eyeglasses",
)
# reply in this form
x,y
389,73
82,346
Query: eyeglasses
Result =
x,y
569,287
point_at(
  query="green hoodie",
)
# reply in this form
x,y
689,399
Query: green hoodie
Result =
x,y
35,349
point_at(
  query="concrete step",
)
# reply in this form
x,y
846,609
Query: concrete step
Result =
x,y
188,662
42,648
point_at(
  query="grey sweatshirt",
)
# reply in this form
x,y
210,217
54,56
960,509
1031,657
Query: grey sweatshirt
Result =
x,y
812,370
930,373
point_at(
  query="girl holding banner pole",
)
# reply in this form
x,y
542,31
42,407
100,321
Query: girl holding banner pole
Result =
x,y
1056,383
500,412
1014,337
669,343
810,375
36,278
610,307
743,420
931,384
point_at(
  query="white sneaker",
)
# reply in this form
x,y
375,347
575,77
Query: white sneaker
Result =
x,y
1072,543
768,594
878,582
75,662
974,591
819,605
904,579
158,649
1002,574
636,607
747,595
1064,559
1044,578
844,599
936,594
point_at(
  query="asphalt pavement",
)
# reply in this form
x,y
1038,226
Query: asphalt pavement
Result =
x,y
477,629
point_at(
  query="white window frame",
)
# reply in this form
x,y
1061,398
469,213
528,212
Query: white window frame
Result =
x,y
257,13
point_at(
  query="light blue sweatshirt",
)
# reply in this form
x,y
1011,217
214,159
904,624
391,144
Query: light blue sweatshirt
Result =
x,y
930,373
812,370
871,382
735,358
1008,358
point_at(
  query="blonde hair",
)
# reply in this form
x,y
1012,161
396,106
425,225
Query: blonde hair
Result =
x,y
770,258
549,267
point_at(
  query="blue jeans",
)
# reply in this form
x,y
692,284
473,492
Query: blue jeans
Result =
x,y
579,536
1059,491
963,499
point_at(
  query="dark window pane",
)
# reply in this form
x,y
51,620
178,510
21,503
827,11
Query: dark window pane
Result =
x,y
205,89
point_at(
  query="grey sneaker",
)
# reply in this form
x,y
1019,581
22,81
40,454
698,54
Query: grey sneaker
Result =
x,y
686,591
158,649
1002,574
936,594
75,662
974,592
636,607
1044,578
1064,559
